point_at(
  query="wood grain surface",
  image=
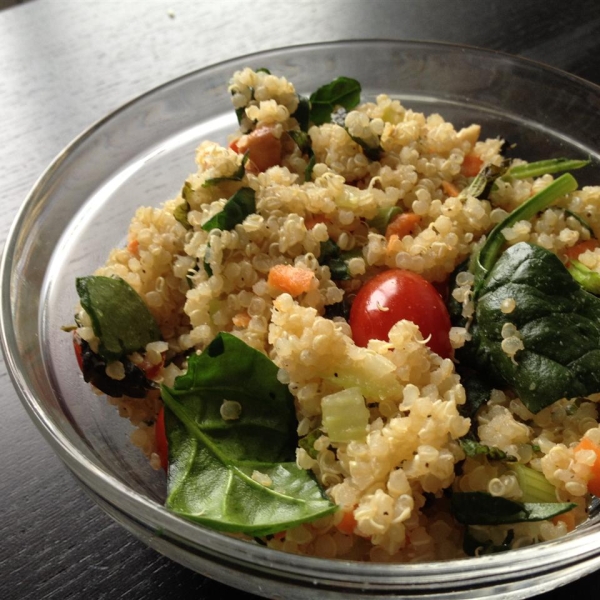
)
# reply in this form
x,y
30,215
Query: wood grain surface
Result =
x,y
66,63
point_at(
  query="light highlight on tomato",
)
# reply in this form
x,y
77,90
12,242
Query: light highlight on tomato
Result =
x,y
395,295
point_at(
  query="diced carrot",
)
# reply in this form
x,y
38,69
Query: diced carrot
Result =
x,y
133,247
233,145
280,535
312,220
241,319
450,189
594,482
347,524
290,279
471,165
264,148
402,225
567,518
574,251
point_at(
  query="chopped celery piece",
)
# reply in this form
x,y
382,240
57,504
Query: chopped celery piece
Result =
x,y
533,484
589,280
345,416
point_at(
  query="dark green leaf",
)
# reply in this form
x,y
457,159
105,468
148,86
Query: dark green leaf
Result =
x,y
206,261
211,460
478,392
308,442
134,383
302,140
237,208
558,321
589,280
337,261
495,240
240,113
302,114
473,448
263,70
309,168
237,176
120,318
373,153
342,91
480,508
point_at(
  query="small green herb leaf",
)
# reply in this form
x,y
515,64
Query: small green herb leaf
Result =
x,y
373,153
302,113
120,318
212,461
332,256
480,508
308,442
342,91
473,448
237,176
237,208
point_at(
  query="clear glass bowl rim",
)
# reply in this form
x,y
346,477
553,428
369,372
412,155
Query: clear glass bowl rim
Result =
x,y
549,556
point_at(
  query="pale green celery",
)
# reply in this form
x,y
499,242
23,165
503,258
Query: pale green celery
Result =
x,y
589,280
372,373
542,167
493,245
345,416
533,484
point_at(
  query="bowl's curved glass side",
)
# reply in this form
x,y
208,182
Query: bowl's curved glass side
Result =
x,y
140,155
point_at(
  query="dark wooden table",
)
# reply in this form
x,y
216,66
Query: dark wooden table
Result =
x,y
66,63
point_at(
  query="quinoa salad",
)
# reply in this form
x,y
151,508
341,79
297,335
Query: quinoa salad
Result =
x,y
359,332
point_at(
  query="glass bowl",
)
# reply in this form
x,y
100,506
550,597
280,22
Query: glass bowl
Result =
x,y
140,155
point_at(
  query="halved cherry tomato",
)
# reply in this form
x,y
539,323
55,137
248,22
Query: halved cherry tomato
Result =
x,y
78,350
395,295
162,446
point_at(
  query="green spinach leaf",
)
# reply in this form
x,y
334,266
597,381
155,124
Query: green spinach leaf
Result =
x,y
212,460
342,91
373,153
302,113
332,256
120,318
480,508
558,322
237,208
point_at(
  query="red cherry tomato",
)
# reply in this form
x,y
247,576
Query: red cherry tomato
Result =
x,y
395,295
78,350
162,446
